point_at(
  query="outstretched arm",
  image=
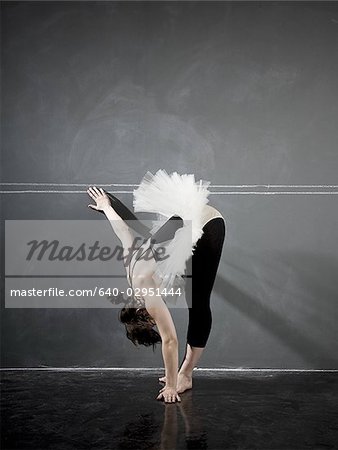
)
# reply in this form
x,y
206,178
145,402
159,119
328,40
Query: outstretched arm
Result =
x,y
128,215
120,227
166,232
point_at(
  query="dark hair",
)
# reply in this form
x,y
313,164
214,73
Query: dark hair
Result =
x,y
139,326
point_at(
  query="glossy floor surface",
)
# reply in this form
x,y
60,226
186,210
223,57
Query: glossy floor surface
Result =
x,y
118,410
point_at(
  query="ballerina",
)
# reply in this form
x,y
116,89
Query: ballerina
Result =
x,y
179,200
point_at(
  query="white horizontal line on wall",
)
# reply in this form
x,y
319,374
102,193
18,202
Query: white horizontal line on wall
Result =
x,y
271,193
212,185
277,185
156,369
211,193
322,189
35,191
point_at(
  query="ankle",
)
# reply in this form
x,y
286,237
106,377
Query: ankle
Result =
x,y
186,373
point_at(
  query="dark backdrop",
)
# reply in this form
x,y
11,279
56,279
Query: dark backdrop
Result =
x,y
239,93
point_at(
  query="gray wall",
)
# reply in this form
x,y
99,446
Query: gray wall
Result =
x,y
237,93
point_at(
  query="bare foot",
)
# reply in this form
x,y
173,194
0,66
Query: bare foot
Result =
x,y
184,382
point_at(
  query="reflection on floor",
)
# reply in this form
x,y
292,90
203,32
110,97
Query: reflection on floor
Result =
x,y
118,410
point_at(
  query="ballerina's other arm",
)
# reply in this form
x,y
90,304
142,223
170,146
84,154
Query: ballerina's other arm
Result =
x,y
160,313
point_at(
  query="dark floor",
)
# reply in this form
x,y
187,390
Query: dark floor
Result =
x,y
117,410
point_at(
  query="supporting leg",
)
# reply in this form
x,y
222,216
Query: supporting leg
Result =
x,y
184,376
191,357
205,262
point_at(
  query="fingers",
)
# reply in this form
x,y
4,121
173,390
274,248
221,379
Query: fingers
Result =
x,y
92,206
170,398
94,192
91,193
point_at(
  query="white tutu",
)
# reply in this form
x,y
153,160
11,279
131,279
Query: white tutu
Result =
x,y
168,195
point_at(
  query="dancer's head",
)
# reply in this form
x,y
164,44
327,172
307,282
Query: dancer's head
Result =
x,y
139,325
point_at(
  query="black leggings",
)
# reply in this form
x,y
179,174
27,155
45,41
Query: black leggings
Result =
x,y
202,265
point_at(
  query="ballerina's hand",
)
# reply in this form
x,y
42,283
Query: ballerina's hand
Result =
x,y
169,395
100,197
